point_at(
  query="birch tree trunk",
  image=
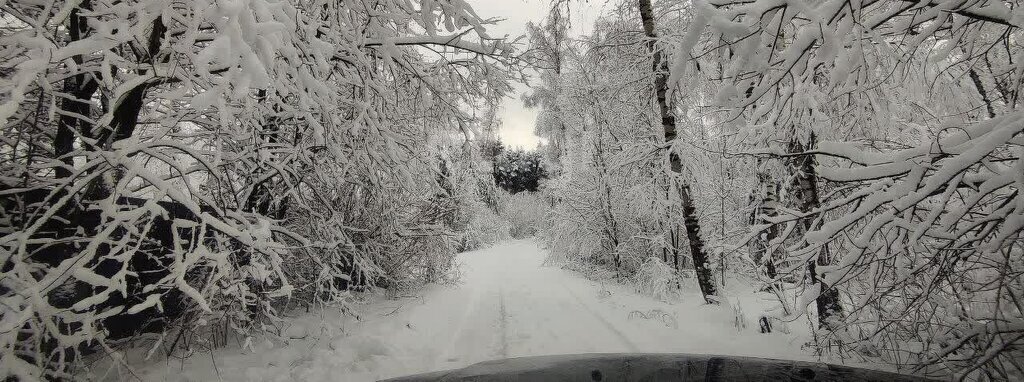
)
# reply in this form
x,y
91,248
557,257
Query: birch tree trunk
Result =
x,y
668,123
766,199
805,192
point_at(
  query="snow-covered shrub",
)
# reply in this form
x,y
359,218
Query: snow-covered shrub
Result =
x,y
739,319
124,266
637,251
589,268
573,235
656,279
485,228
525,213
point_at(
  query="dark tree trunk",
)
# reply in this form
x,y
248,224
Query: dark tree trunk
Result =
x,y
981,90
805,188
668,121
127,111
766,199
81,87
264,198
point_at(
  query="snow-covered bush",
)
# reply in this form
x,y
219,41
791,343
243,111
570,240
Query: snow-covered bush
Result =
x,y
587,267
481,203
485,228
739,319
657,279
525,212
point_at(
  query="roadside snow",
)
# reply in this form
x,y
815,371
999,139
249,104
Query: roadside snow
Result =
x,y
507,305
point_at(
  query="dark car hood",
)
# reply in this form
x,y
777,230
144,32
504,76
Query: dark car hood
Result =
x,y
655,367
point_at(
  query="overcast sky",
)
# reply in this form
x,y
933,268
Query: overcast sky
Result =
x,y
518,121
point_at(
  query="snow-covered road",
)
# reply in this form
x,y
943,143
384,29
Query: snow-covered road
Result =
x,y
507,305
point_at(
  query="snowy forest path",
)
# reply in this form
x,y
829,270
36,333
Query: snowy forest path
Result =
x,y
506,304
517,307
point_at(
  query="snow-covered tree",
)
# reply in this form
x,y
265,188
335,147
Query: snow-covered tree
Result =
x,y
201,161
896,121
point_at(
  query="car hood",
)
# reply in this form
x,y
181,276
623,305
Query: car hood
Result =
x,y
655,367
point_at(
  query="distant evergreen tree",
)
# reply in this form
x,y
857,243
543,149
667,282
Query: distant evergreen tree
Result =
x,y
491,149
518,170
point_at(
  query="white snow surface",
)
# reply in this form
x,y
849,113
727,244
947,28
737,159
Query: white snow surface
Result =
x,y
507,304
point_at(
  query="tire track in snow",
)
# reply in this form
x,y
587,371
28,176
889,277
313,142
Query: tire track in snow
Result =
x,y
503,323
459,330
611,327
479,331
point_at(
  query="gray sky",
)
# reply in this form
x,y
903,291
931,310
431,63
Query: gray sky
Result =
x,y
517,121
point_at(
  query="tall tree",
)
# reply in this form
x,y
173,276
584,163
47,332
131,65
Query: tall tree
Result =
x,y
548,41
659,68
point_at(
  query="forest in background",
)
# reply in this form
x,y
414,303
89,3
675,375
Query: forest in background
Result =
x,y
180,173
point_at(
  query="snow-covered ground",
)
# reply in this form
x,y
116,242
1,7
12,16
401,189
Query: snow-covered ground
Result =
x,y
506,305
